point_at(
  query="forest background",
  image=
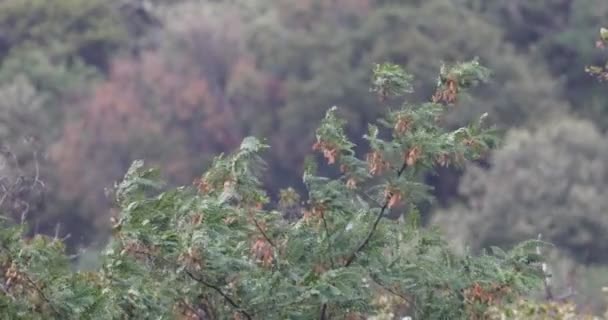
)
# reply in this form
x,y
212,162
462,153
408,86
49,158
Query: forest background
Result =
x,y
88,86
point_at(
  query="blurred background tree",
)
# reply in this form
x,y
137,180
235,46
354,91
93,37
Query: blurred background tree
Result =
x,y
86,29
270,71
51,55
549,180
557,33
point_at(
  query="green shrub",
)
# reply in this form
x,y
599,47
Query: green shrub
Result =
x,y
216,250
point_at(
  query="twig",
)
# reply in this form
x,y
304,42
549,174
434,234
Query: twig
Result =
x,y
544,268
24,212
369,198
329,247
8,294
7,151
371,232
218,290
36,166
201,314
393,292
323,311
203,282
255,221
32,283
42,295
3,197
57,228
37,170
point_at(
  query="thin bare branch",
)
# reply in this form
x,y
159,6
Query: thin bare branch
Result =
x,y
545,270
266,237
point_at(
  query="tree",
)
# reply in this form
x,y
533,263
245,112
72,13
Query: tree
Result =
x,y
533,186
85,29
51,53
255,68
156,108
214,251
312,45
549,180
37,96
21,181
558,33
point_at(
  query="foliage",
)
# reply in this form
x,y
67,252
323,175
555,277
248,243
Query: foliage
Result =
x,y
156,109
535,172
213,251
60,80
50,55
550,180
313,45
537,191
36,94
524,310
254,68
85,29
558,33
20,185
20,103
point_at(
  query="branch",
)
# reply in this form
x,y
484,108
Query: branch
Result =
x,y
370,234
6,293
42,295
218,290
200,314
329,247
323,310
32,284
37,170
546,276
25,211
203,282
389,290
255,221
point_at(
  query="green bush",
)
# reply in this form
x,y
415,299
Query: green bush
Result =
x,y
217,250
